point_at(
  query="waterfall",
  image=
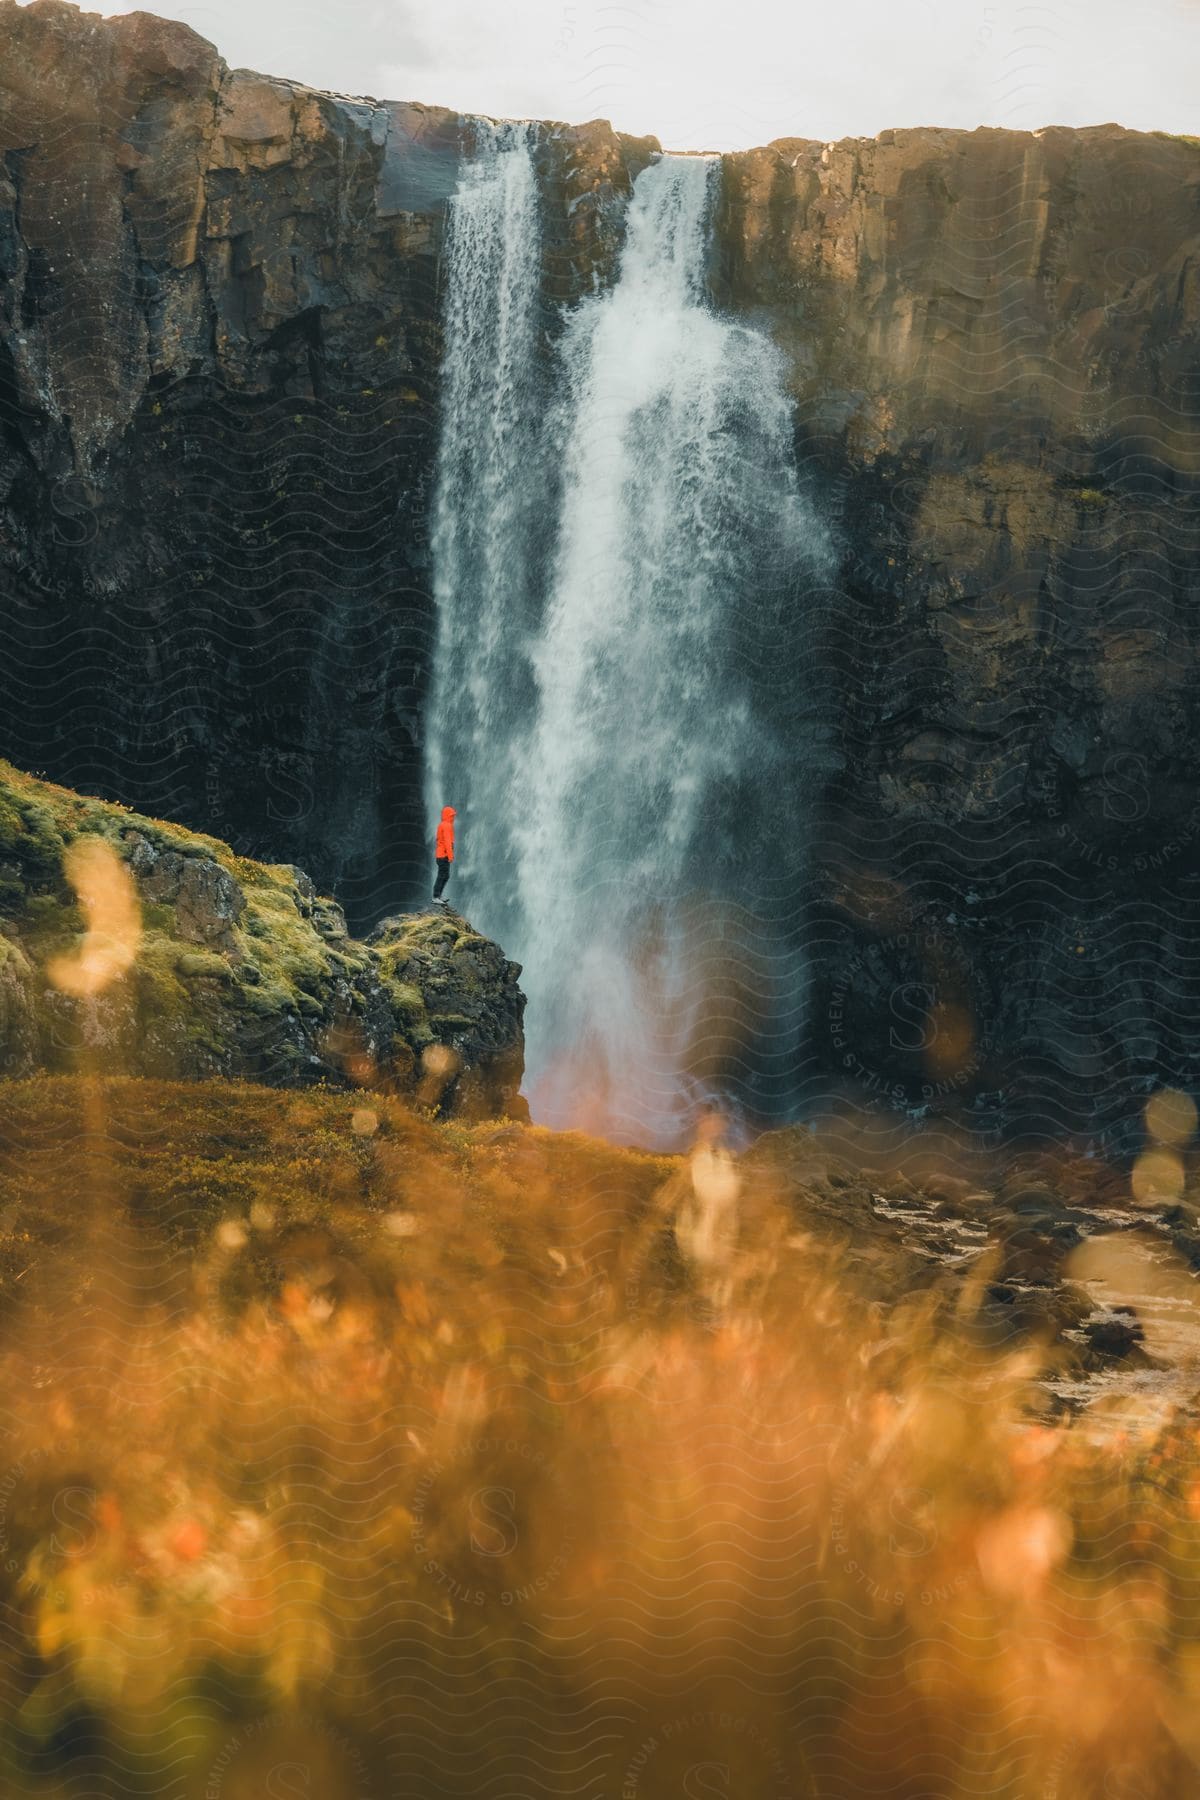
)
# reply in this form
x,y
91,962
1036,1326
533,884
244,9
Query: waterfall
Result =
x,y
624,785
487,504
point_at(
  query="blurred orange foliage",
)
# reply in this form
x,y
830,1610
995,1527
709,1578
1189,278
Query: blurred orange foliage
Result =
x,y
424,1460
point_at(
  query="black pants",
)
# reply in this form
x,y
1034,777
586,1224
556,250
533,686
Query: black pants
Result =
x,y
443,876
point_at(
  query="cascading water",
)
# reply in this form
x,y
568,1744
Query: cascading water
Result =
x,y
487,510
622,790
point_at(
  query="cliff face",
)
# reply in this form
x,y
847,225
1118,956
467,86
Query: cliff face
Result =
x,y
993,339
173,957
219,356
219,352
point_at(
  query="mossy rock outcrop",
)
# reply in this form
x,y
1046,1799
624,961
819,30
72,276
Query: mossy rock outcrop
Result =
x,y
238,968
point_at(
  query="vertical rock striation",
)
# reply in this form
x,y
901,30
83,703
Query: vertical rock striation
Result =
x,y
994,342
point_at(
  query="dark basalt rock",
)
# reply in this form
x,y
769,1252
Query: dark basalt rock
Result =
x,y
1115,1336
992,340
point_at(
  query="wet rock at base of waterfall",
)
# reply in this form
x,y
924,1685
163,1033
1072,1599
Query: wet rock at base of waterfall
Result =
x,y
1118,1333
240,968
1182,1226
1033,1252
901,1236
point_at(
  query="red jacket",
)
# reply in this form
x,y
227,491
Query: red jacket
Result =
x,y
445,835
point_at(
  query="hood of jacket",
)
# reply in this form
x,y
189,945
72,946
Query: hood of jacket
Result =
x,y
448,815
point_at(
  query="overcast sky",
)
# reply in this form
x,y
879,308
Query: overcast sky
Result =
x,y
726,74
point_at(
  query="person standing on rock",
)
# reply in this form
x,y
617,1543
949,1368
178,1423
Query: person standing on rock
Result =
x,y
444,850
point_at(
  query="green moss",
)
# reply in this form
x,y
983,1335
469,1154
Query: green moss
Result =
x,y
161,993
406,999
38,817
29,835
287,946
49,923
165,836
204,963
253,874
266,1001
203,1034
426,931
46,909
1091,497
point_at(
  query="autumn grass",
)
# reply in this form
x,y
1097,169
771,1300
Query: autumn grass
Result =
x,y
410,1455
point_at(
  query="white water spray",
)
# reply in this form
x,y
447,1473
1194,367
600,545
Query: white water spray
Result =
x,y
610,748
486,518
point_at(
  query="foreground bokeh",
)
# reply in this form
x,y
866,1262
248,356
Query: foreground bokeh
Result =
x,y
352,1455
